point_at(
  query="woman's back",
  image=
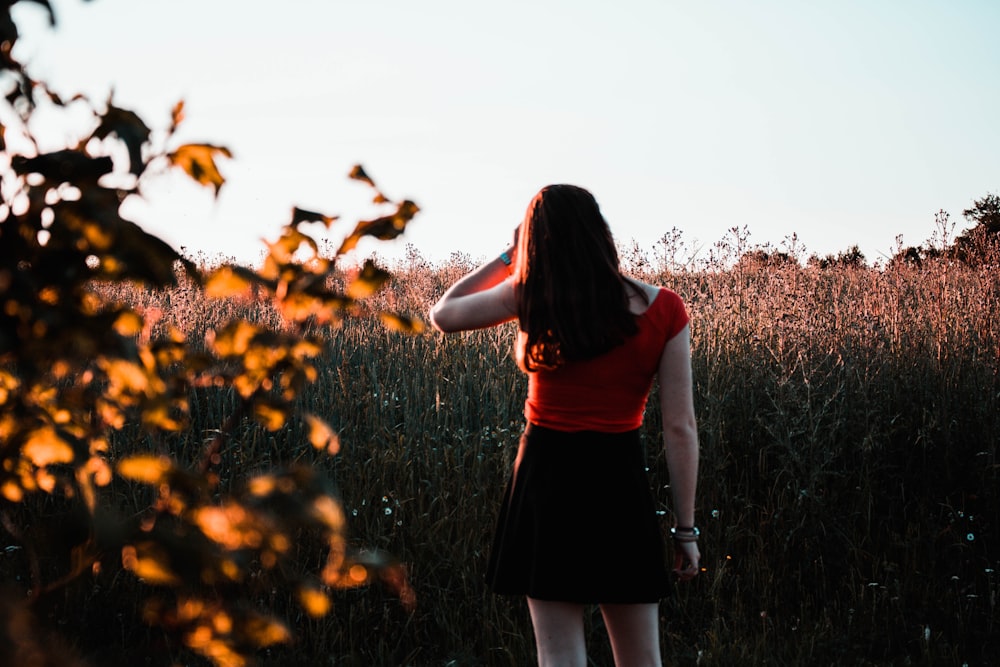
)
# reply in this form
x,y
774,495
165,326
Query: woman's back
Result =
x,y
608,392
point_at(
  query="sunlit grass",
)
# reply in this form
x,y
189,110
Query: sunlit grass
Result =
x,y
849,420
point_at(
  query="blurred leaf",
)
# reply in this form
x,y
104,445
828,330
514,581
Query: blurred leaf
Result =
x,y
271,416
263,485
267,631
128,323
329,511
128,127
160,413
321,436
43,3
354,575
149,562
283,250
368,281
12,491
299,307
93,224
64,166
198,160
8,29
8,383
226,282
358,174
125,377
229,525
146,468
99,469
44,447
395,578
300,215
234,340
110,413
384,228
176,116
401,323
314,601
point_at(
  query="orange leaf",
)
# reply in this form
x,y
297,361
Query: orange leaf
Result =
x,y
12,491
272,417
328,510
225,282
176,116
358,174
198,160
147,563
302,215
321,436
400,323
314,601
384,228
128,323
145,468
44,447
125,377
368,281
267,631
284,249
235,339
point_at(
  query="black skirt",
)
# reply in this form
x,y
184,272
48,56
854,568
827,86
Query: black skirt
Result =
x,y
578,522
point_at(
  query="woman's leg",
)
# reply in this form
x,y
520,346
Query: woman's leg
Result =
x,y
558,633
634,630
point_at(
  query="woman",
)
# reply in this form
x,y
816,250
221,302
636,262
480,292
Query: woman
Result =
x,y
578,522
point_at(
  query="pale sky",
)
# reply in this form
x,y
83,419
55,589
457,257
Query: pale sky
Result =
x,y
843,121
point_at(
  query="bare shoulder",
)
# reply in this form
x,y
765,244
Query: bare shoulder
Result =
x,y
643,297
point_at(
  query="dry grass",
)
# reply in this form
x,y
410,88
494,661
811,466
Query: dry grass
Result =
x,y
849,422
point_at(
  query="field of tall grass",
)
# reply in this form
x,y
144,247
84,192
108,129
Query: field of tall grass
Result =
x,y
849,495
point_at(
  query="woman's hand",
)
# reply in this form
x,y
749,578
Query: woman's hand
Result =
x,y
687,560
512,250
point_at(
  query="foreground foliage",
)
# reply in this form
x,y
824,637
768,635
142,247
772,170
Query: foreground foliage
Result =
x,y
90,393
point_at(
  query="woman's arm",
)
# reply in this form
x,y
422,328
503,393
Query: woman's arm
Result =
x,y
481,299
680,441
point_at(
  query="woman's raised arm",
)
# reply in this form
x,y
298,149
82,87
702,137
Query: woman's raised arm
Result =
x,y
483,298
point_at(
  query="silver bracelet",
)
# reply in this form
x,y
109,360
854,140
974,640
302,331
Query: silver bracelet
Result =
x,y
684,534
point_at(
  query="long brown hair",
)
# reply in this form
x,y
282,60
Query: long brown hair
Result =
x,y
572,301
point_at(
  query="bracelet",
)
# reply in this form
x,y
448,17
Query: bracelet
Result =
x,y
505,258
685,533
